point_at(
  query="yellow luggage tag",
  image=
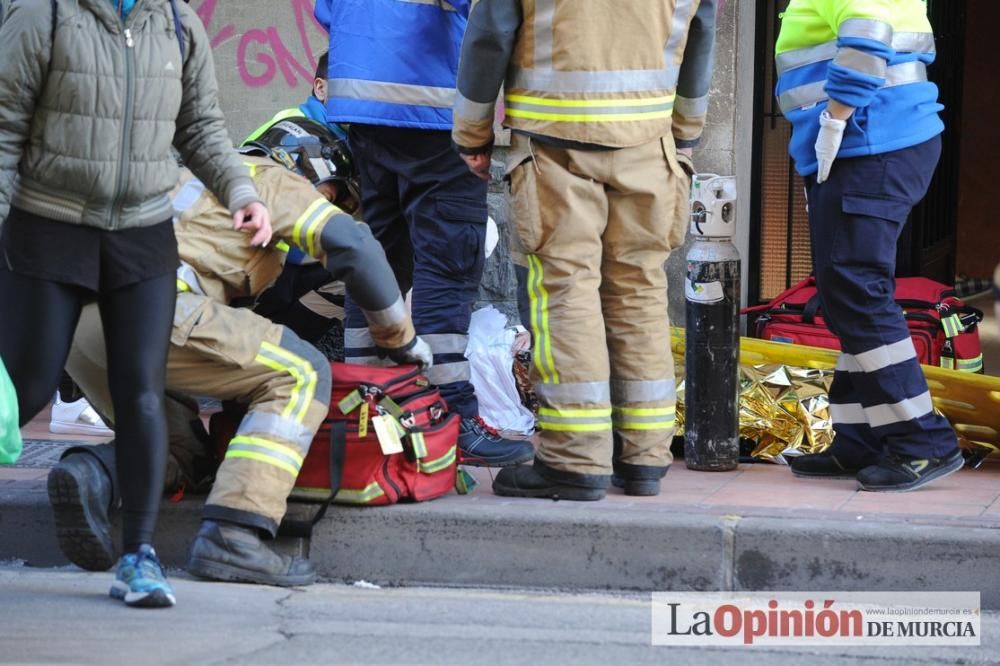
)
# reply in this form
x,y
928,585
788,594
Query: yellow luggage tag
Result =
x,y
389,405
363,421
388,434
351,401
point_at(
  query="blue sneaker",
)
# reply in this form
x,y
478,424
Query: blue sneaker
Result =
x,y
139,580
479,445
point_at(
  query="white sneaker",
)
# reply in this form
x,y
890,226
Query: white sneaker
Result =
x,y
77,418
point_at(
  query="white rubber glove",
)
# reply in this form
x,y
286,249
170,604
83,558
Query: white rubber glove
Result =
x,y
831,133
419,353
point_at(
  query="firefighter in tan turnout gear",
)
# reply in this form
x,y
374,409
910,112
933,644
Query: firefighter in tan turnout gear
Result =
x,y
600,96
232,353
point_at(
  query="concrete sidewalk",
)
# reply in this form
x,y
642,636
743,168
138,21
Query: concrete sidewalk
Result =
x,y
752,529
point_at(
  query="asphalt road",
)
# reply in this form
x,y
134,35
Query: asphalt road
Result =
x,y
63,616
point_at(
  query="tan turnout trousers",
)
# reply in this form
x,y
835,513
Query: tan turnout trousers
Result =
x,y
231,354
596,227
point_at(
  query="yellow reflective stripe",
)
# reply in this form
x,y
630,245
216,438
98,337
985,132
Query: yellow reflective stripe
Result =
x,y
539,297
321,215
370,492
260,457
647,411
268,444
603,412
574,427
645,418
632,425
306,375
952,325
439,464
182,286
282,246
274,365
252,167
297,229
587,118
419,445
303,373
585,103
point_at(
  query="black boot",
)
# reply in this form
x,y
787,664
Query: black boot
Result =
x,y
233,553
638,480
540,480
82,491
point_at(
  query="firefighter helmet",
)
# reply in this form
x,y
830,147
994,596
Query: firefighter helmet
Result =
x,y
313,151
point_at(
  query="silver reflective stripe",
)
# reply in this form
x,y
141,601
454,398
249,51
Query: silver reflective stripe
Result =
x,y
443,4
544,14
394,93
900,412
390,316
903,73
878,358
878,31
187,195
883,415
473,111
446,343
278,426
814,93
691,107
913,42
805,56
676,40
358,338
627,391
859,61
903,42
636,80
447,373
847,413
187,275
589,393
591,110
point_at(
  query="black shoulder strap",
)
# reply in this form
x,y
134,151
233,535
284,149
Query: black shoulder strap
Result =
x,y
302,529
178,28
55,16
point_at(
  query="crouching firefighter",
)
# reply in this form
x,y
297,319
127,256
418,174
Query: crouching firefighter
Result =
x,y
232,353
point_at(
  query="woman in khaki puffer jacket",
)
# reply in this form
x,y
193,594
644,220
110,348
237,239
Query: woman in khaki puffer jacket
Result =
x,y
93,94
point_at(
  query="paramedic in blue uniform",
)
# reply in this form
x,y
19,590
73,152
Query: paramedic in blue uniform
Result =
x,y
393,67
866,138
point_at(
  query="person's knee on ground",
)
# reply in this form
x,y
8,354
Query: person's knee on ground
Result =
x,y
229,544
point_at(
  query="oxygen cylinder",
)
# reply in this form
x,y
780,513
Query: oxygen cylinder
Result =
x,y
712,341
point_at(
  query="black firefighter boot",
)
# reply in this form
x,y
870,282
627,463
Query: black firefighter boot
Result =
x,y
82,491
234,553
637,480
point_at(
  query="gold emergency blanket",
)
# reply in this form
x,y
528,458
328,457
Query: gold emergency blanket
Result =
x,y
783,410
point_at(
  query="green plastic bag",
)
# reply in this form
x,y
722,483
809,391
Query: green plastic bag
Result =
x,y
10,433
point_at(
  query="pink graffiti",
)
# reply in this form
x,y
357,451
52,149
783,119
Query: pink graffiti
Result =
x,y
262,52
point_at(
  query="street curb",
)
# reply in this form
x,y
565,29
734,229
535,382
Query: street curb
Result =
x,y
471,543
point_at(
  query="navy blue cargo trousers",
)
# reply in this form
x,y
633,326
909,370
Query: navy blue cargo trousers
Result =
x,y
879,400
429,213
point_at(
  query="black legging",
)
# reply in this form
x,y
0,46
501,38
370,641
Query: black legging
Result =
x,y
39,319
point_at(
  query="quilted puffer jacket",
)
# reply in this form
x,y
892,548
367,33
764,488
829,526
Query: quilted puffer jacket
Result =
x,y
90,105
